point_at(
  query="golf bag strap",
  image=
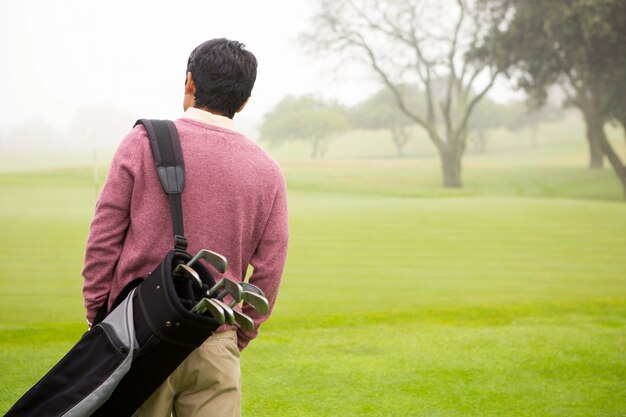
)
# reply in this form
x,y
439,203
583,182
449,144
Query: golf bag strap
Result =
x,y
168,159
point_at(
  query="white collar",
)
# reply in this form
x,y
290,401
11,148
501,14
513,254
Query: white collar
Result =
x,y
209,118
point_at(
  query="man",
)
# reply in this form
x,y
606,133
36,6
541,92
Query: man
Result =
x,y
234,203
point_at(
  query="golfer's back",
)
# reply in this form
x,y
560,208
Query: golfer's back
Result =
x,y
234,203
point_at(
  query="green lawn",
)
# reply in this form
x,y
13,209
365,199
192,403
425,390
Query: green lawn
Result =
x,y
455,307
506,298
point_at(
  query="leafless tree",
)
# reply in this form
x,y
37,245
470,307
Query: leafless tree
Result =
x,y
425,42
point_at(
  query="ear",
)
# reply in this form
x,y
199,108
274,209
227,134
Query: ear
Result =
x,y
243,105
190,85
189,98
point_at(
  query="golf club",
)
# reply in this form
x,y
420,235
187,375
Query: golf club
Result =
x,y
230,287
216,310
244,321
246,286
257,301
187,271
213,258
228,312
251,295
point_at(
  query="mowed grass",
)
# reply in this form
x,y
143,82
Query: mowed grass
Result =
x,y
481,307
506,298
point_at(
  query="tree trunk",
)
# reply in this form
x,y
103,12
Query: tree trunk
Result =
x,y
623,122
316,148
594,132
451,166
618,166
400,138
533,135
481,143
478,141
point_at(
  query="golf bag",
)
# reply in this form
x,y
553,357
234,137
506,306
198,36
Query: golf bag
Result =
x,y
126,355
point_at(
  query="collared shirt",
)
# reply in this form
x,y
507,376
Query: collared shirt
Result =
x,y
210,118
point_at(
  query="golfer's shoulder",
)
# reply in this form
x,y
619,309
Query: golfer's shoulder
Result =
x,y
228,148
266,171
236,146
267,161
133,147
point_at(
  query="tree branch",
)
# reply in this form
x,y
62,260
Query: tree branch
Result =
x,y
452,78
463,125
398,96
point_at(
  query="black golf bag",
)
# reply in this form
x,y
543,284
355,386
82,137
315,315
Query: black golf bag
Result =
x,y
127,354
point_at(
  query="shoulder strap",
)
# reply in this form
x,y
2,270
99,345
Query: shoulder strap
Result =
x,y
168,159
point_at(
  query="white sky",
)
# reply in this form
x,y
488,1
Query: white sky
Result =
x,y
60,56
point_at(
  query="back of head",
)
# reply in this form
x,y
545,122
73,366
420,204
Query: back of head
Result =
x,y
223,72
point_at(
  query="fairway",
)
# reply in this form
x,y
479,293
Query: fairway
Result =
x,y
507,298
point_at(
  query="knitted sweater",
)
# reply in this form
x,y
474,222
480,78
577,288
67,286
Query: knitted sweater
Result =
x,y
234,203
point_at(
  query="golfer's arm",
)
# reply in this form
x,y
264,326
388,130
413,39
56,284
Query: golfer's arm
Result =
x,y
268,262
108,230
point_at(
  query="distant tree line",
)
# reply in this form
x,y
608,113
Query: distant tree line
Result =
x,y
316,121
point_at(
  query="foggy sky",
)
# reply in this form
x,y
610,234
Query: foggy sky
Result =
x,y
59,57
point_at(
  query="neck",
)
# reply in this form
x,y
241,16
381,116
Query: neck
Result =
x,y
213,111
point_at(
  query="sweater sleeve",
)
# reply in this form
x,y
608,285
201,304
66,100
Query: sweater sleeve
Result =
x,y
108,228
268,262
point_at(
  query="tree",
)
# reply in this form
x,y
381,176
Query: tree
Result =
x,y
381,112
579,45
487,115
522,117
419,42
306,119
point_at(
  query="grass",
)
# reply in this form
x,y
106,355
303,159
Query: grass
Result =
x,y
525,361
506,298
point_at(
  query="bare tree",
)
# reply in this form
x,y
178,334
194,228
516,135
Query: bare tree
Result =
x,y
421,42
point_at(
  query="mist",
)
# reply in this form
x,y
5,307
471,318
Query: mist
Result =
x,y
71,65
75,76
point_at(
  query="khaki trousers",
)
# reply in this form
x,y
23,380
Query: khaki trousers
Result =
x,y
207,383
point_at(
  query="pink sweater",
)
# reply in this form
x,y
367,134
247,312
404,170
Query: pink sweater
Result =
x,y
234,203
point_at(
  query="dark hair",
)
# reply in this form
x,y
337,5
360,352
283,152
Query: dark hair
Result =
x,y
224,73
